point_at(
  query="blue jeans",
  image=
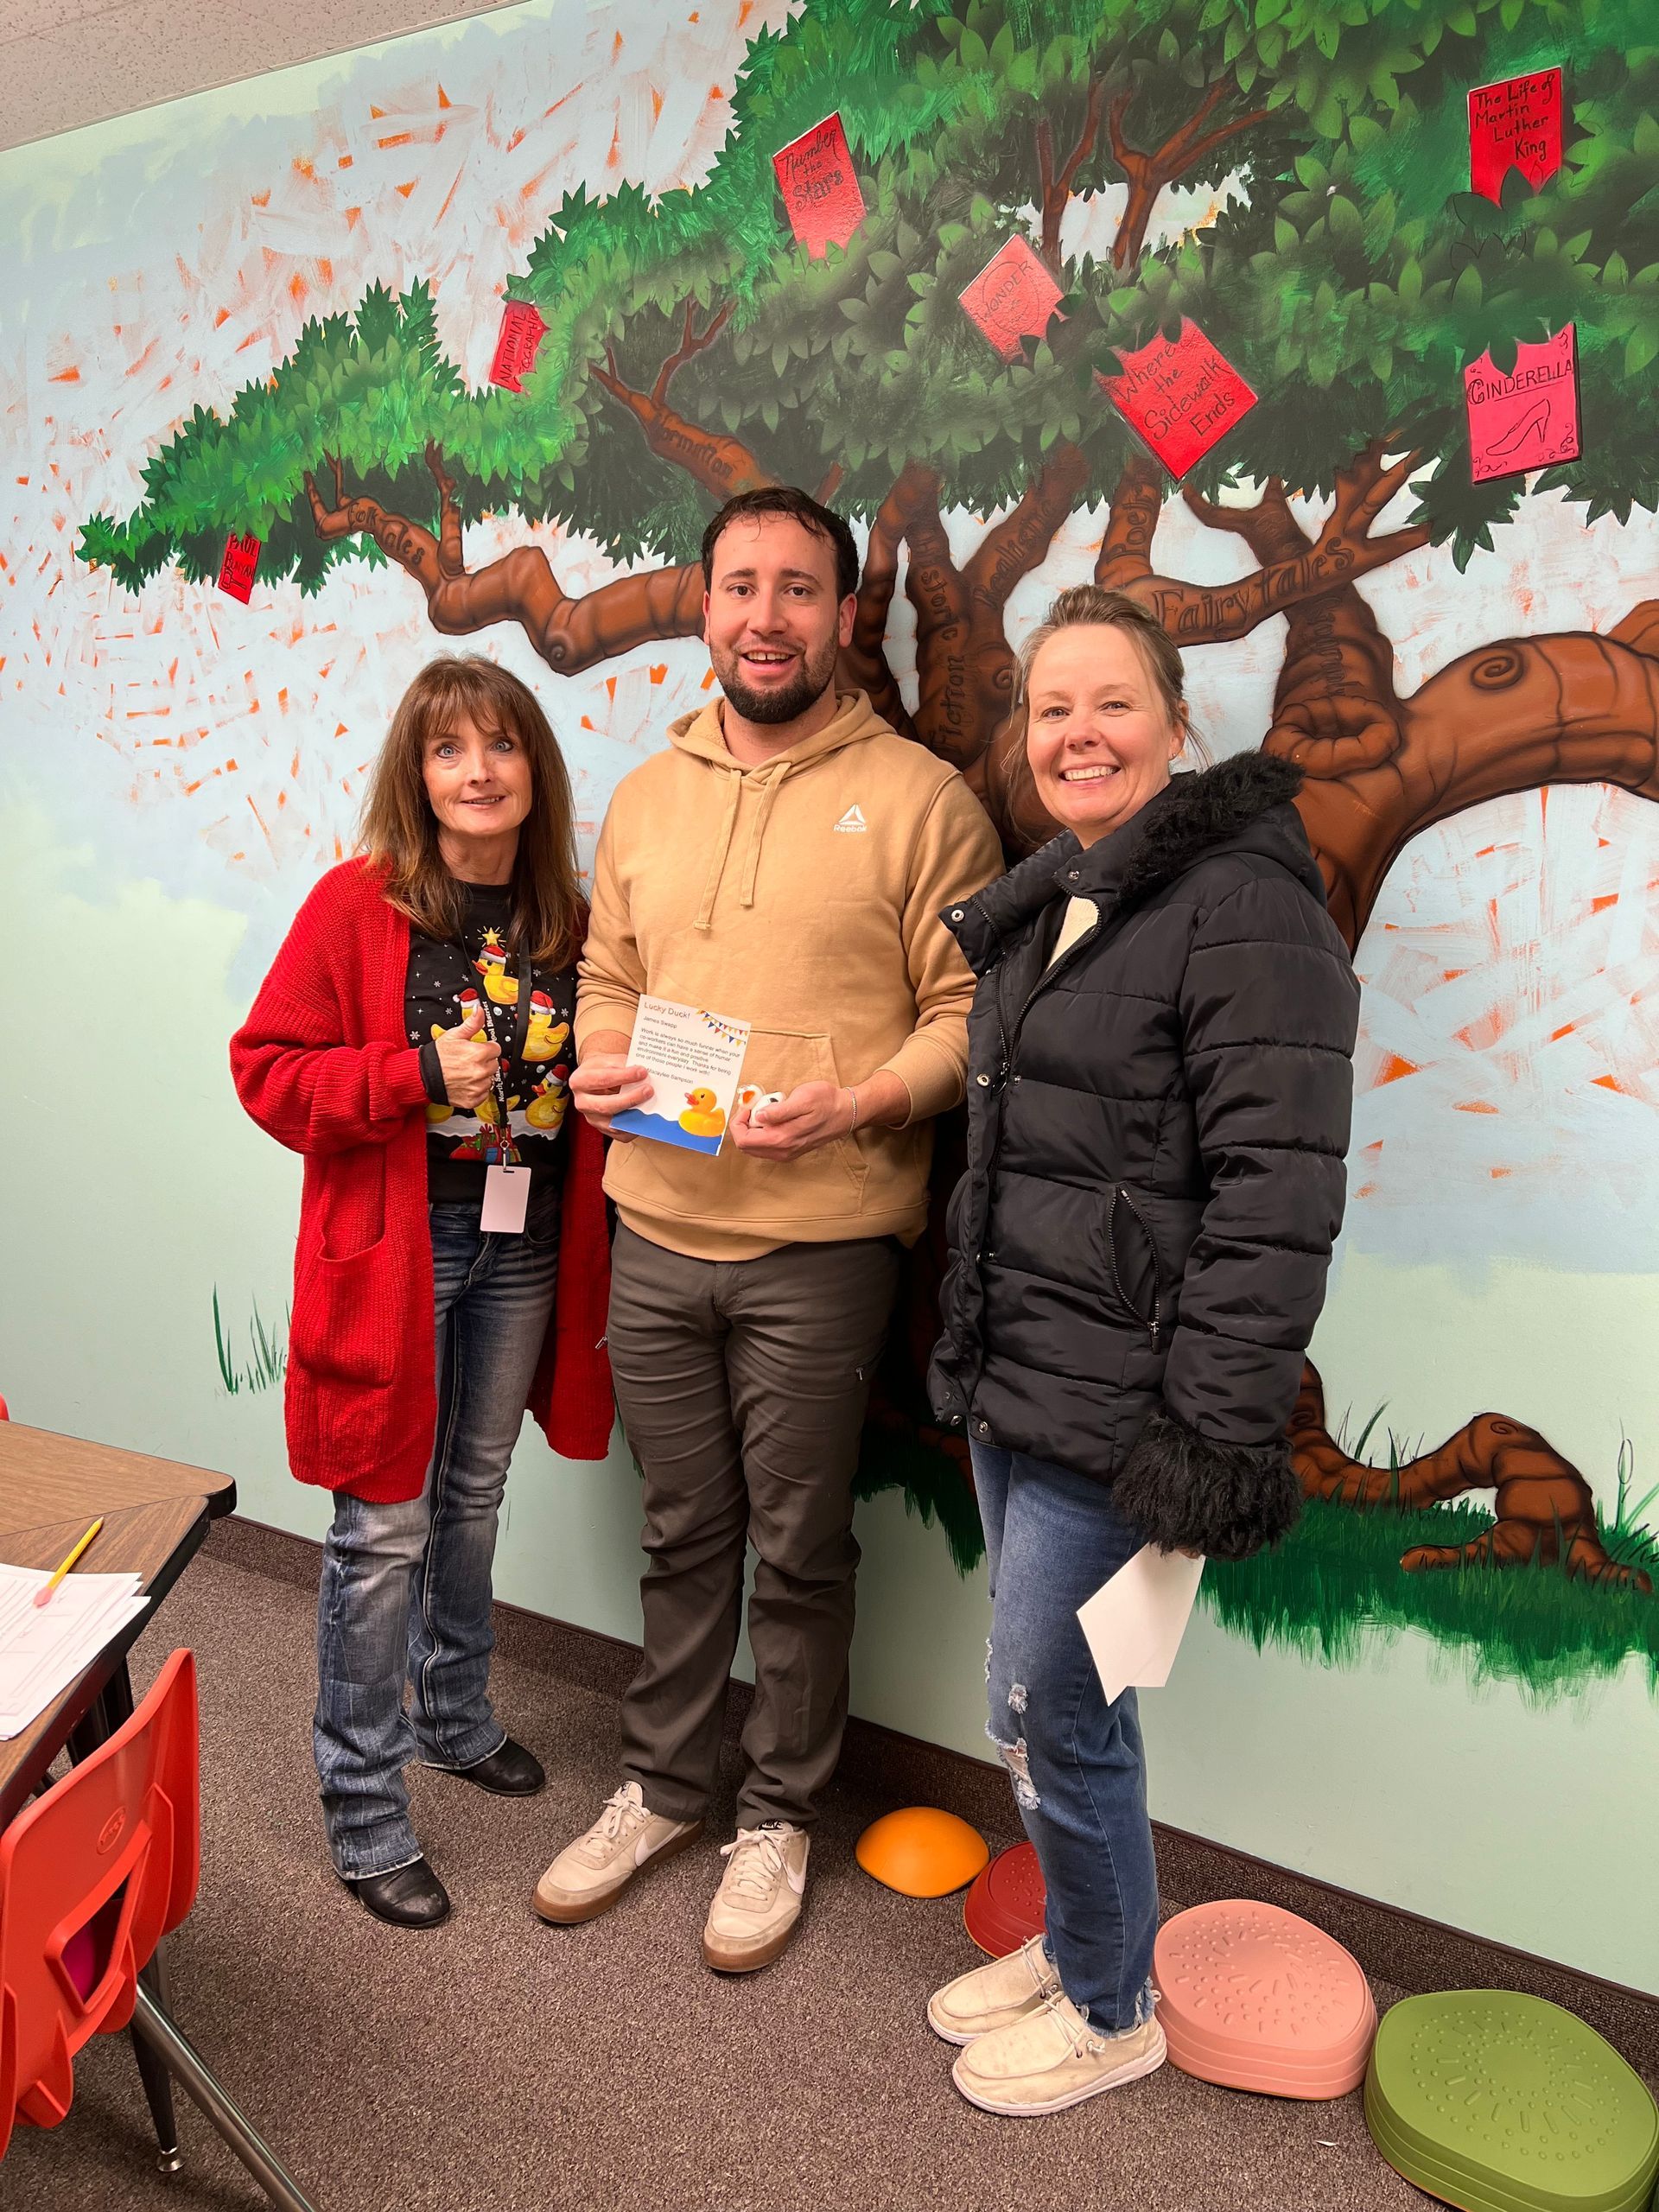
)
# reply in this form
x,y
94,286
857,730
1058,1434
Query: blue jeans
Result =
x,y
406,1593
1051,1538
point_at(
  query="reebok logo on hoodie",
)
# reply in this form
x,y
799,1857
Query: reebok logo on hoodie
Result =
x,y
853,819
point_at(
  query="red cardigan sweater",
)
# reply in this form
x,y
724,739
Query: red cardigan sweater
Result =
x,y
324,1065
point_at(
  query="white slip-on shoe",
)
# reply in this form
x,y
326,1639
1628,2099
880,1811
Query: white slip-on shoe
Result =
x,y
589,1875
1053,2058
759,1900
993,1995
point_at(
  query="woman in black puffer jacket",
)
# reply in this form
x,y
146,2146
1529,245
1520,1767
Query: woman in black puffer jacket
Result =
x,y
1158,1095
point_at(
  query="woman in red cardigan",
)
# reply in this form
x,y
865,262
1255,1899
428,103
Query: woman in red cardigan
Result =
x,y
413,1042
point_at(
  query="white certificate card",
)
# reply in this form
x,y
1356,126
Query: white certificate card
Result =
x,y
694,1059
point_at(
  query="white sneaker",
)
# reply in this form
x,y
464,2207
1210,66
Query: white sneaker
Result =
x,y
589,1875
993,1995
1052,2058
759,1900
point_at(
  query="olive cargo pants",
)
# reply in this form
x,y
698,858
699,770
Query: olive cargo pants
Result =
x,y
742,1386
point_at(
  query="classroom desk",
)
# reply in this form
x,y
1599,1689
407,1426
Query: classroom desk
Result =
x,y
155,1515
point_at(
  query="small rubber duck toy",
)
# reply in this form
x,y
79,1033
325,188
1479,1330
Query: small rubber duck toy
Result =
x,y
701,1116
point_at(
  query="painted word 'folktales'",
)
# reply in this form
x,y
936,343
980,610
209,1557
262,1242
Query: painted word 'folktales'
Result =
x,y
522,332
1529,418
1011,298
821,194
1514,125
239,566
1182,395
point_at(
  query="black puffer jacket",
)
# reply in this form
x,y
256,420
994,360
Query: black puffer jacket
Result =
x,y
1155,1143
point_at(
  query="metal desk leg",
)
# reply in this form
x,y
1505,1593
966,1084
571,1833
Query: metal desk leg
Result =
x,y
159,2031
152,2072
111,1709
117,1699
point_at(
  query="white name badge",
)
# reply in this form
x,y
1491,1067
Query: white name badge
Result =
x,y
506,1197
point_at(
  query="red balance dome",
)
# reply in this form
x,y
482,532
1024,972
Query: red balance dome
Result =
x,y
1005,1907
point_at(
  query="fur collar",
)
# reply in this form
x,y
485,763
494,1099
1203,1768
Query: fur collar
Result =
x,y
1195,815
1232,803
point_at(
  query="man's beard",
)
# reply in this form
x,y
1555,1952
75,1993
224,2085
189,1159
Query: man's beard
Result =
x,y
782,706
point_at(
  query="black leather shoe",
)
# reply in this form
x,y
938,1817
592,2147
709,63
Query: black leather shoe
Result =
x,y
409,1896
510,1772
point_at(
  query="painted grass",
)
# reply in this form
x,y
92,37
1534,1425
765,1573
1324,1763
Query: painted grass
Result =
x,y
1336,1584
268,1360
934,1489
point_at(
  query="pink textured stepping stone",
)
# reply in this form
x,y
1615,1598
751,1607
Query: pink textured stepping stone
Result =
x,y
1253,1997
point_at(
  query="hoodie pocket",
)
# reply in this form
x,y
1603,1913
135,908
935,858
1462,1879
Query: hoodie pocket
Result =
x,y
782,1059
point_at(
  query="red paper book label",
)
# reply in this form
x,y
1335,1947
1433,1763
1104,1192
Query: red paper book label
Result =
x,y
1527,419
1182,396
239,567
1012,297
1517,122
522,332
821,194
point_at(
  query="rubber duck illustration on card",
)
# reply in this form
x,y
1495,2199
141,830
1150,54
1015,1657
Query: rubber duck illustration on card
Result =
x,y
701,1115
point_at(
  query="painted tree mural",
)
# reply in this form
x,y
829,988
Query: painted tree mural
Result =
x,y
692,348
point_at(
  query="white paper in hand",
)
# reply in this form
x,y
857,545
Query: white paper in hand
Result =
x,y
1134,1622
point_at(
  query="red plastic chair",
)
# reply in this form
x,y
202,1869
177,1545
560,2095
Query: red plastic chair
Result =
x,y
92,1875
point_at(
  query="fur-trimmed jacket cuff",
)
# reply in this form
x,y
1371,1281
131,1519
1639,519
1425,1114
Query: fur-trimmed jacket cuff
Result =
x,y
1186,1493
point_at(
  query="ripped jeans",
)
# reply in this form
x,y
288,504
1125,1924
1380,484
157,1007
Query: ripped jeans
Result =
x,y
1051,1538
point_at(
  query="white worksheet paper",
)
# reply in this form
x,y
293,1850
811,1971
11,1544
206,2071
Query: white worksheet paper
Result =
x,y
43,1647
1133,1624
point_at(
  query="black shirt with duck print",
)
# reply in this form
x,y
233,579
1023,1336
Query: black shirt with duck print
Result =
x,y
445,981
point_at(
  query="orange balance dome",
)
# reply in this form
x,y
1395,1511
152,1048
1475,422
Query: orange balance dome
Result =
x,y
921,1852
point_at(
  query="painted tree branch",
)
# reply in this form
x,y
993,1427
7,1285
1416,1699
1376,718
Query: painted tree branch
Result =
x,y
1147,173
1054,190
690,347
1125,557
1544,1511
569,634
722,466
964,664
1344,551
864,662
1515,716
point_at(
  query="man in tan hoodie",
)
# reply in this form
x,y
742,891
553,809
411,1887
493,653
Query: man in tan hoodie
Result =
x,y
783,863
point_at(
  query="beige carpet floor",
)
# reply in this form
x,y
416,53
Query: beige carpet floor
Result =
x,y
497,2065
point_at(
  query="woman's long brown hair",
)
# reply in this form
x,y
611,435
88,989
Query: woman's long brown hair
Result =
x,y
399,830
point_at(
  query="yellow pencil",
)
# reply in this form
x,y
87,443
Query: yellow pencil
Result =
x,y
40,1596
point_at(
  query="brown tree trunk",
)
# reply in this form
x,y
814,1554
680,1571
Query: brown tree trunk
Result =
x,y
1544,1509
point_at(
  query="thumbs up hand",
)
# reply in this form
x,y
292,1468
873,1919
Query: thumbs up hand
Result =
x,y
466,1060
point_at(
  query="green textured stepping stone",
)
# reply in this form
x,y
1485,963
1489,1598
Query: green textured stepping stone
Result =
x,y
1496,2102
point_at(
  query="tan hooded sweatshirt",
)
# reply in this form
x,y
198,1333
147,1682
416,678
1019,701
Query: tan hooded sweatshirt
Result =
x,y
802,896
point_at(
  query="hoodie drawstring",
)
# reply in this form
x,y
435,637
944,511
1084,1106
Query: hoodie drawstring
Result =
x,y
722,846
769,787
762,816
